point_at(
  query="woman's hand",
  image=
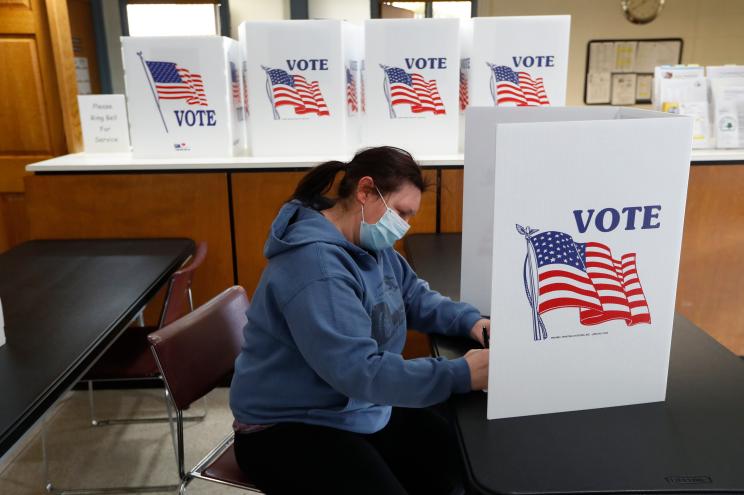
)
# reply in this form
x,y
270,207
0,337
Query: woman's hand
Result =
x,y
476,333
477,360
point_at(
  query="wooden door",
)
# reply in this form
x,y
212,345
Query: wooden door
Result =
x,y
38,109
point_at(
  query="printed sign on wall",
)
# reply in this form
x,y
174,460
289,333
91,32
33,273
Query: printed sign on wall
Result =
x,y
574,254
411,84
183,95
301,83
519,61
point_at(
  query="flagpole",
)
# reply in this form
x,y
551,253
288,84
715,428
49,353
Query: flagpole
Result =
x,y
157,100
386,89
542,332
492,85
270,93
531,284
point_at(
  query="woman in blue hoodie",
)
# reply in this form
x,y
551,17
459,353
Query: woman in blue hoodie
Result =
x,y
322,398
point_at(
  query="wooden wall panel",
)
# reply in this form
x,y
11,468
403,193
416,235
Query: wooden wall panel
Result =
x,y
36,107
139,205
711,279
450,202
257,197
23,124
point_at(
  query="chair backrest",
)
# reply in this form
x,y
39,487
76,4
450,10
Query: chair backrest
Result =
x,y
178,299
197,351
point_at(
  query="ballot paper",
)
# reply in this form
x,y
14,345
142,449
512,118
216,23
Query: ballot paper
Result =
x,y
2,326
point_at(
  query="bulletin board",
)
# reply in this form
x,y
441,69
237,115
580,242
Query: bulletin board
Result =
x,y
621,72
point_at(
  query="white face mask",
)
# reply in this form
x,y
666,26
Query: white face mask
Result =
x,y
383,234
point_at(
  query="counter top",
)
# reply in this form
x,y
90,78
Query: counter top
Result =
x,y
109,162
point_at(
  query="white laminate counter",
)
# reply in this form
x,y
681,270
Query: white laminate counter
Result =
x,y
122,162
106,162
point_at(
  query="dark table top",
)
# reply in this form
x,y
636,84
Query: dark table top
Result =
x,y
64,302
692,442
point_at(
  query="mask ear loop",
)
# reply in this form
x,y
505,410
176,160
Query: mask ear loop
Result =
x,y
382,198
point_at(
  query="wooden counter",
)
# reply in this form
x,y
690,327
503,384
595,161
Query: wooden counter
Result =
x,y
232,209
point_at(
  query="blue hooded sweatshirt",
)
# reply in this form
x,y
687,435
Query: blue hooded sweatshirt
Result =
x,y
326,328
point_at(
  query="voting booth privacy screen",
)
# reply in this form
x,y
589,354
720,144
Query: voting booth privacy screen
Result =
x,y
411,84
519,61
302,80
183,96
572,228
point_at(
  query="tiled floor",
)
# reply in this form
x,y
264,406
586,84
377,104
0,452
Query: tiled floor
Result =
x,y
84,456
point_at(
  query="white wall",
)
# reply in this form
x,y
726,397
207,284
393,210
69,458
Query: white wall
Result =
x,y
256,10
712,30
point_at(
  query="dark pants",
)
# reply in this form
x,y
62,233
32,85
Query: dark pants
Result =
x,y
416,453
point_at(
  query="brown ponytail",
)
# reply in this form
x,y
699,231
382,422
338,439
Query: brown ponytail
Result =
x,y
389,167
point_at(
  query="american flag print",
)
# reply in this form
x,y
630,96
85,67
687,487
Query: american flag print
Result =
x,y
234,84
173,82
510,88
295,91
412,89
464,75
362,94
587,276
351,92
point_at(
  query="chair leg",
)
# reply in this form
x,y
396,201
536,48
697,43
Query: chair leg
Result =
x,y
94,421
92,405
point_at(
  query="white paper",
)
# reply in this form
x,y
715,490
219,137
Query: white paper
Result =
x,y
602,56
728,111
725,71
623,89
103,119
82,75
598,87
727,126
699,111
644,83
625,52
666,72
573,365
654,53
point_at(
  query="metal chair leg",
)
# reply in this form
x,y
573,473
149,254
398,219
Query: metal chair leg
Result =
x,y
94,421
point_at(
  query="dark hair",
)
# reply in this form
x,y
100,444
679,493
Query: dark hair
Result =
x,y
388,166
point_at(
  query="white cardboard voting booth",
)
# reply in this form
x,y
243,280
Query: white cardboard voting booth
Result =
x,y
412,70
466,50
302,83
572,227
183,95
519,61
